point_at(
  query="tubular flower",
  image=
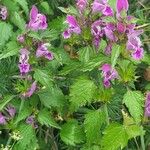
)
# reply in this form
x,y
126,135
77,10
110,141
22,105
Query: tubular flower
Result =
x,y
103,7
24,66
81,4
3,12
122,5
73,27
43,51
147,105
37,21
108,74
2,119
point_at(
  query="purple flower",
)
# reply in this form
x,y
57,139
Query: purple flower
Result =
x,y
73,27
3,12
110,34
103,7
31,90
121,27
30,120
37,21
122,5
108,49
108,73
147,105
11,110
134,45
81,4
97,32
24,66
2,119
21,38
138,54
43,51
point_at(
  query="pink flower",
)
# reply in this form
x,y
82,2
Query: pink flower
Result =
x,y
108,49
24,66
21,38
43,51
110,34
81,4
108,73
2,119
31,90
103,7
97,32
121,27
73,27
3,12
147,105
122,5
11,110
138,54
37,21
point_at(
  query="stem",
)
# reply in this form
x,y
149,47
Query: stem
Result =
x,y
21,105
142,139
9,141
106,112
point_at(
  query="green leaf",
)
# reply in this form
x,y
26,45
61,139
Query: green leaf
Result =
x,y
93,63
28,135
24,5
45,118
18,20
5,32
69,10
85,54
12,49
5,101
43,77
71,133
82,92
134,100
112,4
93,122
115,54
25,112
47,9
115,137
52,97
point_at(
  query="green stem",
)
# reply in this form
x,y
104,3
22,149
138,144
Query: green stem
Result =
x,y
9,141
21,105
142,139
106,112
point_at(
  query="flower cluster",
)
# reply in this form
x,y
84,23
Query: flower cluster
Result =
x,y
7,115
37,22
108,74
121,28
3,12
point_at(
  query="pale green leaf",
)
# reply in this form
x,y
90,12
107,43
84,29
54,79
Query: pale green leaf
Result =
x,y
93,122
71,133
5,32
45,118
115,137
82,92
134,100
115,54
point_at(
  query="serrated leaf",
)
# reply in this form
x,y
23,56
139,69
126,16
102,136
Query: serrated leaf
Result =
x,y
24,5
43,77
71,133
25,112
45,118
82,92
28,135
5,32
5,101
18,20
93,122
115,54
12,49
115,137
134,100
52,97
